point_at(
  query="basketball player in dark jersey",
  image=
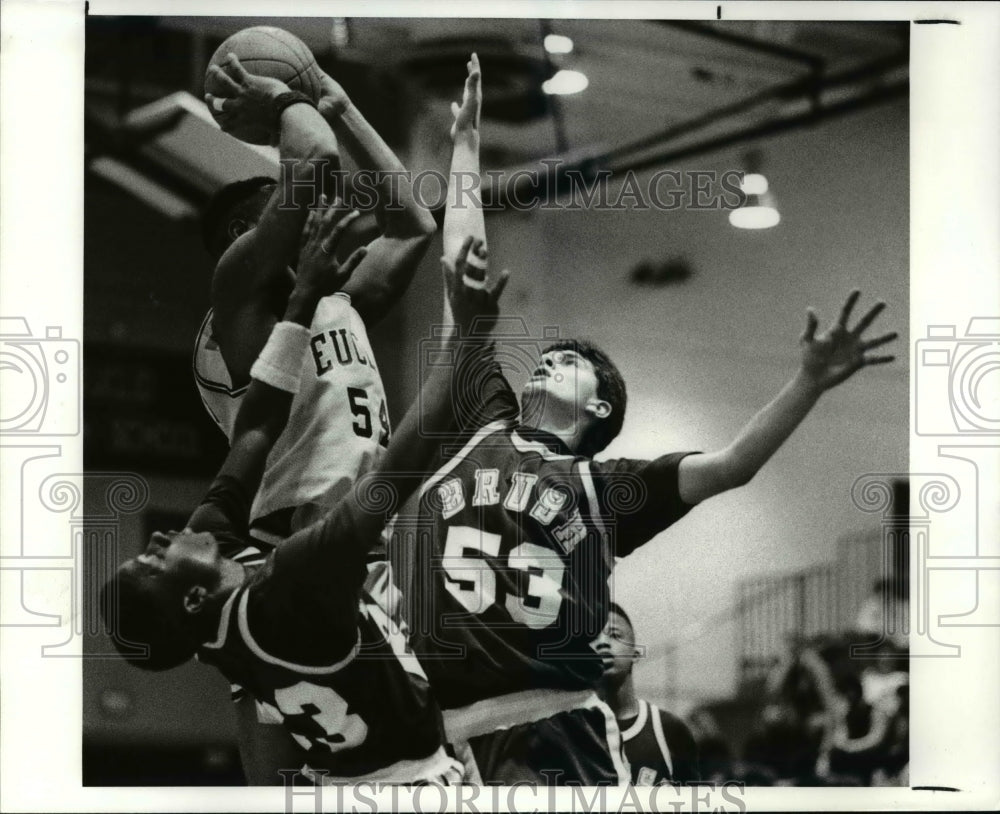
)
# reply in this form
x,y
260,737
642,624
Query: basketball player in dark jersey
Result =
x,y
659,746
294,631
518,532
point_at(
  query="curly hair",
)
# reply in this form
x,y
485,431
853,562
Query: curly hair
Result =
x,y
144,618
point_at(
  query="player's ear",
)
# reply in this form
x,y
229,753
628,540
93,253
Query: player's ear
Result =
x,y
237,227
598,408
194,599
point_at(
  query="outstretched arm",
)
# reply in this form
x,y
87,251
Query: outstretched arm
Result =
x,y
464,213
275,375
406,226
252,279
827,360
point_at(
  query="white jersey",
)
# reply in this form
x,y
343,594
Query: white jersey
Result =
x,y
338,425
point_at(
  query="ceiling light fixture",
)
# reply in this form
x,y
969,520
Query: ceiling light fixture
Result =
x,y
760,210
558,44
565,83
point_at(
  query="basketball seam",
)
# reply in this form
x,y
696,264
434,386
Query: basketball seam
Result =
x,y
295,51
312,58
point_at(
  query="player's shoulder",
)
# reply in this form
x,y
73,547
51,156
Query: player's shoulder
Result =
x,y
674,727
230,267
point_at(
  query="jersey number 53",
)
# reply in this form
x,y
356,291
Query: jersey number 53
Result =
x,y
470,578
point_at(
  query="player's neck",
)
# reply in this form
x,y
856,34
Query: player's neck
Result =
x,y
552,416
207,622
233,574
569,432
621,697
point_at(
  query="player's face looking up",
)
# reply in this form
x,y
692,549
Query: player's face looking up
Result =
x,y
568,383
186,557
576,391
616,646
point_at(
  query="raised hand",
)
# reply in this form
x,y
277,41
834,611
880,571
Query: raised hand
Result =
x,y
467,114
247,106
319,272
474,301
333,99
836,354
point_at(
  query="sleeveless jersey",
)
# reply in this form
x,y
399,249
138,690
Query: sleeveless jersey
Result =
x,y
338,425
659,747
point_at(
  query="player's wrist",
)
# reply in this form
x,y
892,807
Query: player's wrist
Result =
x,y
302,303
466,135
336,107
808,383
282,100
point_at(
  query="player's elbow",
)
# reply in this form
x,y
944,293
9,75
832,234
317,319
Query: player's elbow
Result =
x,y
425,227
741,476
316,160
326,154
415,225
731,471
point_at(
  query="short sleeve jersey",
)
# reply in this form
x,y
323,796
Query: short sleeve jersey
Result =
x,y
522,537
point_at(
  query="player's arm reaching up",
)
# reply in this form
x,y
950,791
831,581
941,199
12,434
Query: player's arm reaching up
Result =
x,y
275,375
828,359
334,550
464,213
407,227
252,277
475,308
138,601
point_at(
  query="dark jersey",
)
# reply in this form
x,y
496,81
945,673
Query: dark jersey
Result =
x,y
659,747
319,655
523,537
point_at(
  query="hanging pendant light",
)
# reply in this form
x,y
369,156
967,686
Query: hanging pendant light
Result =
x,y
760,210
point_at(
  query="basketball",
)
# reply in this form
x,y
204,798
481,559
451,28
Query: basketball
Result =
x,y
268,51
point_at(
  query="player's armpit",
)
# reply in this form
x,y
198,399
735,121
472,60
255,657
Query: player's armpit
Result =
x,y
683,748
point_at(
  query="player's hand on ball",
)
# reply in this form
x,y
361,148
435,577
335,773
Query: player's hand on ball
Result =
x,y
467,114
836,354
248,102
319,272
474,300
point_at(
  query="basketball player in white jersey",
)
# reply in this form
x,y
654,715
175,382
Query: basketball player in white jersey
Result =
x,y
339,424
659,746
